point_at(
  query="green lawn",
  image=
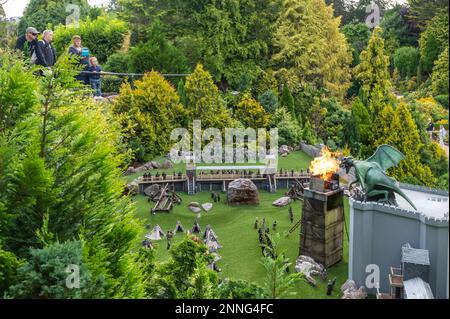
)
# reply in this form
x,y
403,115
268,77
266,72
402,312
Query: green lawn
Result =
x,y
241,255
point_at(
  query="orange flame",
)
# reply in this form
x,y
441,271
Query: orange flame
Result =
x,y
324,166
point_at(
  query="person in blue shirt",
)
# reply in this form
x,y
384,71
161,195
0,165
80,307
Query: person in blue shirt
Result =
x,y
94,76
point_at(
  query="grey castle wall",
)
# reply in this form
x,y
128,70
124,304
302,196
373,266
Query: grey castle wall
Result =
x,y
377,233
313,151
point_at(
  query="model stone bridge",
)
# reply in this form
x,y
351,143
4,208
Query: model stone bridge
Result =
x,y
217,178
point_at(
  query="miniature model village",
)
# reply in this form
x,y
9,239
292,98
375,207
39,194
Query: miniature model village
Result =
x,y
353,231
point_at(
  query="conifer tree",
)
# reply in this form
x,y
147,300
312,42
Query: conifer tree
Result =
x,y
204,101
287,101
404,135
440,77
310,49
373,73
251,113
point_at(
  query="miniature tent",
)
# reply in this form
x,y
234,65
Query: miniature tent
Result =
x,y
179,228
211,241
209,232
196,228
156,234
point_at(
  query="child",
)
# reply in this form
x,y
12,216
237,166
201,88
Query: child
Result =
x,y
94,78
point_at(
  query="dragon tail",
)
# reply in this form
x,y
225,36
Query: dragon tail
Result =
x,y
400,192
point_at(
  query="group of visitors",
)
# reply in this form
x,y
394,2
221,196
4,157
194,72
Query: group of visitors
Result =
x,y
43,53
40,52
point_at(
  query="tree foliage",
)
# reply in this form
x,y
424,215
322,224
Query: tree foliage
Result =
x,y
157,54
102,36
149,113
289,132
406,60
310,49
204,101
43,14
373,72
61,167
251,113
422,11
440,77
433,41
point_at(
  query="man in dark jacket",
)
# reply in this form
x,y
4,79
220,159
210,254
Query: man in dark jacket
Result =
x,y
45,52
27,43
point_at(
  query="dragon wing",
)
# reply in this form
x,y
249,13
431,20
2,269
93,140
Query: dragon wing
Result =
x,y
386,157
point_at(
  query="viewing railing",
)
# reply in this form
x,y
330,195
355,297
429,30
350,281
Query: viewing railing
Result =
x,y
131,76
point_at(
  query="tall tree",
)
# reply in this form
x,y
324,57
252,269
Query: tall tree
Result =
x,y
397,31
204,101
251,113
433,41
148,114
310,49
50,13
440,76
61,165
422,11
373,72
233,39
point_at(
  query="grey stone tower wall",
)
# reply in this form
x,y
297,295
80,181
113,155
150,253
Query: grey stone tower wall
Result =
x,y
377,233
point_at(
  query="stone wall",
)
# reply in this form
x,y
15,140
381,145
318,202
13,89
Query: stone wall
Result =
x,y
313,151
377,233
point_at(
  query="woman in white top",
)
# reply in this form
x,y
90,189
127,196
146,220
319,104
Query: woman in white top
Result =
x,y
442,134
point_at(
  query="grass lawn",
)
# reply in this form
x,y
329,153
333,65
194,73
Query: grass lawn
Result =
x,y
241,254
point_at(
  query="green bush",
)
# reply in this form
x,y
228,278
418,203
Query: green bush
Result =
x,y
118,62
49,14
269,100
406,60
157,54
102,36
111,83
443,100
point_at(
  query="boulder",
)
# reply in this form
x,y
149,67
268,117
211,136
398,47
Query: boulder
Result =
x,y
283,201
140,169
309,268
132,188
242,192
148,165
195,207
284,150
130,170
207,207
155,165
350,291
167,164
153,191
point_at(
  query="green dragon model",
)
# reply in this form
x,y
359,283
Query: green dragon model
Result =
x,y
371,175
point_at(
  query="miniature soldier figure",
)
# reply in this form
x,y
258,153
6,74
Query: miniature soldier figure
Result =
x,y
169,239
286,263
263,225
256,223
291,214
274,226
330,286
261,241
218,198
